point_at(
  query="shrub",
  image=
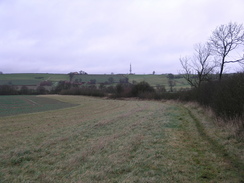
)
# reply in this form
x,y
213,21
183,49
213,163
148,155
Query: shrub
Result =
x,y
228,99
83,91
41,90
24,90
64,85
140,88
110,89
8,90
46,83
205,93
122,90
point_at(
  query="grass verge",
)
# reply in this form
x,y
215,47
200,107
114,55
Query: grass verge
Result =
x,y
219,137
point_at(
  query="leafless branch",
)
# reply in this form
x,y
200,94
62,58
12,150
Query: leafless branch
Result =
x,y
198,68
224,40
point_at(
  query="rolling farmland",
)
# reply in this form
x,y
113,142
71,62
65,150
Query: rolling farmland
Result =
x,y
155,80
101,140
36,79
30,79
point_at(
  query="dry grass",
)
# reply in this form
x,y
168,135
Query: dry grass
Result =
x,y
228,134
108,141
222,136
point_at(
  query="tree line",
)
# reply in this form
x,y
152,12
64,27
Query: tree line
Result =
x,y
204,71
225,46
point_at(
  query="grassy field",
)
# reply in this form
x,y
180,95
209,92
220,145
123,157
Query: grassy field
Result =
x,y
19,104
98,77
35,79
37,76
102,140
155,80
30,79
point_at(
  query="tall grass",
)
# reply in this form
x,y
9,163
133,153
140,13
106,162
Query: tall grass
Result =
x,y
225,99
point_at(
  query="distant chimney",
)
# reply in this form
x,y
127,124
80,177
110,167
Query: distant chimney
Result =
x,y
130,69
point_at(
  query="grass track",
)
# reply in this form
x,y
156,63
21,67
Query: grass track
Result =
x,y
219,149
109,141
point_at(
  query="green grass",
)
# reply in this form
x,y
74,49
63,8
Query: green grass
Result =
x,y
155,80
110,141
19,104
19,82
30,79
34,79
98,77
37,76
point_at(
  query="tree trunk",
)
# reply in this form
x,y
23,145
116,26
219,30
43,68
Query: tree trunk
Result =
x,y
221,68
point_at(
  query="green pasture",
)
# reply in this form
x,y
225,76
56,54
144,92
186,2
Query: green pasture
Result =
x,y
155,80
13,105
19,82
98,77
103,141
30,79
35,79
37,76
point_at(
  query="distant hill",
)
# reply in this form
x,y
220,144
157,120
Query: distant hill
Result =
x,y
36,79
30,79
163,79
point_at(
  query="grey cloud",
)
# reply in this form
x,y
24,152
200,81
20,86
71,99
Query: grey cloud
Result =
x,y
106,36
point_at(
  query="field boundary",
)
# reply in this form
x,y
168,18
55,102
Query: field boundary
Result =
x,y
219,149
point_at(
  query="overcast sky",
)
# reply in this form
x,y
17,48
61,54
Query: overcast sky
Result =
x,y
105,36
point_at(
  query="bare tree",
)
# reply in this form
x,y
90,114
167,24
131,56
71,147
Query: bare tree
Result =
x,y
198,68
224,41
82,73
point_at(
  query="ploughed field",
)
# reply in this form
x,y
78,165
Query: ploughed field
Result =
x,y
84,139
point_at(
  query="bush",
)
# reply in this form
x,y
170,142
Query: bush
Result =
x,y
40,90
46,83
226,98
146,95
141,89
8,90
24,90
205,93
64,85
110,89
83,91
121,90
